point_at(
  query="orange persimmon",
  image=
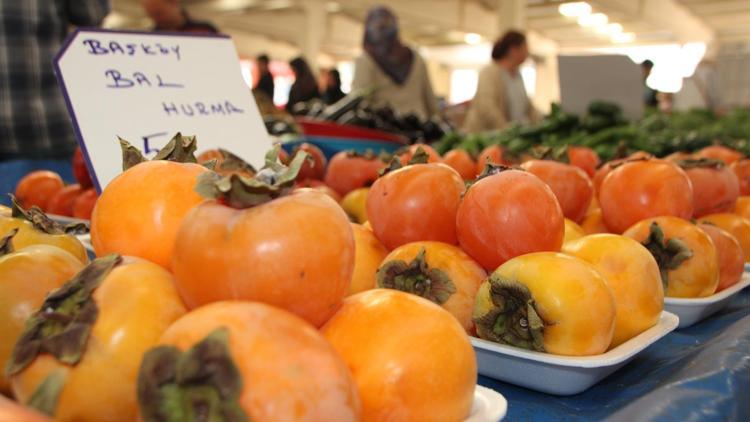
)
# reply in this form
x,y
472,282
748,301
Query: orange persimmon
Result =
x,y
410,358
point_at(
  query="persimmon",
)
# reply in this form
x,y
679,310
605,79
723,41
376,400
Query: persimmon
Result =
x,y
416,202
679,156
584,158
493,154
607,167
461,161
508,213
436,271
686,255
737,226
715,186
245,361
34,228
369,253
547,302
742,207
631,272
572,231
37,187
315,166
139,212
593,222
61,203
571,186
79,354
349,170
741,169
320,186
11,411
26,276
260,241
355,205
406,155
720,152
80,171
637,190
410,358
84,203
730,253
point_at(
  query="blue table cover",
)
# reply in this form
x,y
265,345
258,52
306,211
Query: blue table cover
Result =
x,y
700,373
12,171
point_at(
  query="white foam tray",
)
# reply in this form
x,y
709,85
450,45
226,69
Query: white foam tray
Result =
x,y
62,219
563,375
86,240
691,311
488,406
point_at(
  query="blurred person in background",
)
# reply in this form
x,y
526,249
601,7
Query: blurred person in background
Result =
x,y
34,121
169,15
397,73
331,89
650,98
265,79
304,88
501,95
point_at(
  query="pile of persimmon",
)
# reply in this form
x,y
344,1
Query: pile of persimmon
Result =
x,y
236,289
47,190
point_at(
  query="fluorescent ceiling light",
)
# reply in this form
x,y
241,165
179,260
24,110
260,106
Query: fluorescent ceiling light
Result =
x,y
472,38
624,37
609,29
574,9
594,19
333,7
278,4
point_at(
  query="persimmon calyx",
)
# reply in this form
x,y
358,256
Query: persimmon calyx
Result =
x,y
559,154
491,169
367,155
420,157
180,149
6,243
512,317
62,325
691,163
200,384
42,222
45,396
669,254
272,181
416,277
231,162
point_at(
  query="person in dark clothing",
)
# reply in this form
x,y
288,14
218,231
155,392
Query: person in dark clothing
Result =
x,y
332,91
265,80
34,121
649,94
304,87
169,15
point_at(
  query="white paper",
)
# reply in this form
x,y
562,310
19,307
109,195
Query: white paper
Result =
x,y
611,78
145,87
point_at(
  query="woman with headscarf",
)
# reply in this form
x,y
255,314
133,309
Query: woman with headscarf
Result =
x,y
501,96
332,86
397,73
304,88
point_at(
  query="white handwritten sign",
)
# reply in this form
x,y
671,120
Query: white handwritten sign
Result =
x,y
144,87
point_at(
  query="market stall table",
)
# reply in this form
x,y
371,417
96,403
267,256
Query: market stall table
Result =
x,y
699,373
